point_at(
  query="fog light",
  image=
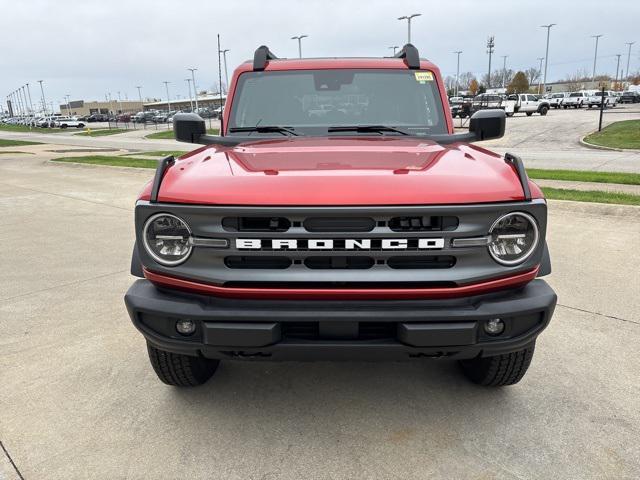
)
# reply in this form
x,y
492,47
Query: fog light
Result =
x,y
495,326
185,327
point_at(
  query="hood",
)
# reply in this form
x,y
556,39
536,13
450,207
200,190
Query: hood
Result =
x,y
324,171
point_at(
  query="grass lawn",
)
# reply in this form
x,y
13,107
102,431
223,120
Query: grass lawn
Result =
x,y
585,176
24,128
157,153
624,134
591,196
110,160
102,132
16,143
168,134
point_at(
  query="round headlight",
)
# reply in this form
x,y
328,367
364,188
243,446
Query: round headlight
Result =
x,y
167,239
514,237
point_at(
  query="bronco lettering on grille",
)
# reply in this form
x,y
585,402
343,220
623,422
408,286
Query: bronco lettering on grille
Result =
x,y
340,244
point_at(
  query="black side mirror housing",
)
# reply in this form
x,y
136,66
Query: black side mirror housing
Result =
x,y
188,127
487,124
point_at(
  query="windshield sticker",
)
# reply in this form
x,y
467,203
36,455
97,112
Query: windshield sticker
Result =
x,y
424,77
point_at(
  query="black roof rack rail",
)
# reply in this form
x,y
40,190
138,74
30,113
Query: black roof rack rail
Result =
x,y
410,55
261,57
516,161
165,163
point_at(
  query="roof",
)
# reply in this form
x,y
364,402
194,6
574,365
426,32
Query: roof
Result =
x,y
335,62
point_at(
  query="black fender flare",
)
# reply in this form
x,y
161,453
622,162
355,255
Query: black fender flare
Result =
x,y
545,262
136,266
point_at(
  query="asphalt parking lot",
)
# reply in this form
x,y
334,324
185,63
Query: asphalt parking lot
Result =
x,y
78,398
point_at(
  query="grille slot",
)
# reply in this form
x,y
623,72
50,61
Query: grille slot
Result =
x,y
327,263
339,224
366,330
339,285
423,223
277,263
256,224
421,262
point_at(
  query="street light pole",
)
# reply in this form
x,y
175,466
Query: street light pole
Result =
x,y
490,46
166,85
394,48
188,80
140,96
540,74
458,52
546,55
504,69
615,87
628,56
44,103
299,39
24,95
68,105
595,57
195,89
408,19
30,102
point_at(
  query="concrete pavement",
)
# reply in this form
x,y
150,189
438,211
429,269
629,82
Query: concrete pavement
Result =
x,y
78,398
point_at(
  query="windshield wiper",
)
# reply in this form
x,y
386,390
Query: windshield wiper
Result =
x,y
366,128
266,129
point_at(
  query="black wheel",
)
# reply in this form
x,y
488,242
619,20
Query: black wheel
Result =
x,y
501,370
529,114
565,106
543,111
181,370
80,125
63,125
510,114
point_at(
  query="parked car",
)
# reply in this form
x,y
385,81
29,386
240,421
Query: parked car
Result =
x,y
575,100
66,122
529,104
556,99
595,99
630,97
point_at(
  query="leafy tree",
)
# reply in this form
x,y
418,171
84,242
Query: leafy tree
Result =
x,y
519,84
473,87
482,88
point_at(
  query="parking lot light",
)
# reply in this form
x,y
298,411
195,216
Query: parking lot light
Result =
x,y
546,56
195,88
166,85
299,38
458,52
394,48
628,57
44,102
408,19
595,56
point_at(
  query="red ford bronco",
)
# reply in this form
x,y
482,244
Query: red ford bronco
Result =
x,y
338,216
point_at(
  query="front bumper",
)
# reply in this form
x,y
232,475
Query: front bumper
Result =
x,y
340,330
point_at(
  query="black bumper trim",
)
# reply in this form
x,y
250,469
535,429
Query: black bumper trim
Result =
x,y
250,329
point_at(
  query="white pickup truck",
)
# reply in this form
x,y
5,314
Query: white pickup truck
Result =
x,y
65,122
610,100
556,99
529,104
575,100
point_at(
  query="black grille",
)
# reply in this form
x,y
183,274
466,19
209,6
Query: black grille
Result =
x,y
256,224
423,223
339,224
339,285
421,262
257,262
325,263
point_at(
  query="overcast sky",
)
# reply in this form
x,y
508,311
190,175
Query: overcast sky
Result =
x,y
86,48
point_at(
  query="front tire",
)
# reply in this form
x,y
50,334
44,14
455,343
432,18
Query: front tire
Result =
x,y
181,370
543,111
529,114
501,370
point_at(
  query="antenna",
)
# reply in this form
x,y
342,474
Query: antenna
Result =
x,y
220,89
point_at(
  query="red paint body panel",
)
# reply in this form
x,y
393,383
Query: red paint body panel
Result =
x,y
343,294
340,171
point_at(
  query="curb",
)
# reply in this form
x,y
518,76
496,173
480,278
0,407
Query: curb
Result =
x,y
91,165
593,208
582,142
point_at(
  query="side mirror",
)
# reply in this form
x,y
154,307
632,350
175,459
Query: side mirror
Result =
x,y
188,127
487,124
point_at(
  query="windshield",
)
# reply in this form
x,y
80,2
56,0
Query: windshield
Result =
x,y
575,95
310,102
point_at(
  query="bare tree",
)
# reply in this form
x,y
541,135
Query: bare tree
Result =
x,y
533,74
497,76
465,79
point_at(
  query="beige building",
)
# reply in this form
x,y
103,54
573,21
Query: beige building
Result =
x,y
81,108
207,100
